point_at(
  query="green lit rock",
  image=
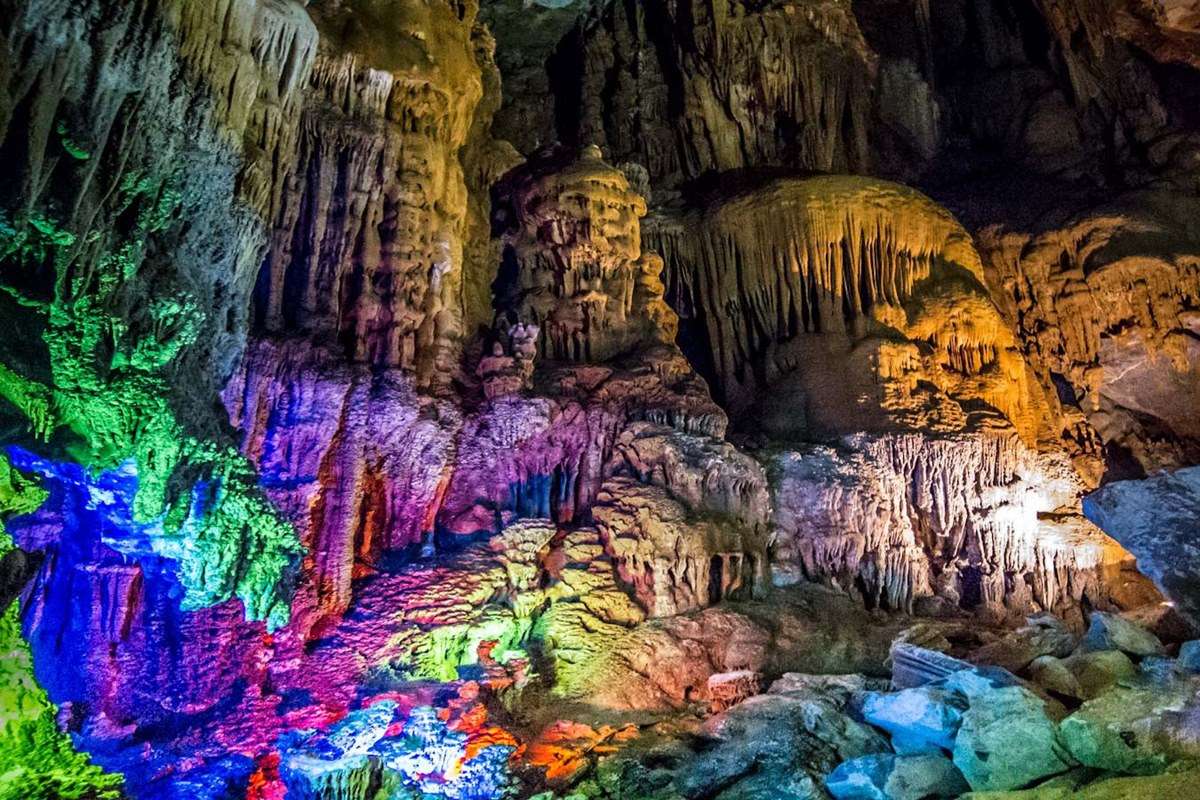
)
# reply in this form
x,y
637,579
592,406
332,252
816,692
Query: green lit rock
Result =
x,y
37,761
1134,730
1084,675
1098,672
886,776
1007,740
1181,786
112,337
1053,675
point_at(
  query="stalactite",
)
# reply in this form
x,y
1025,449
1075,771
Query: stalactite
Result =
x,y
980,520
795,276
688,88
1115,328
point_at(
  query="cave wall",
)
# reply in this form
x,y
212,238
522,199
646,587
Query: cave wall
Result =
x,y
332,390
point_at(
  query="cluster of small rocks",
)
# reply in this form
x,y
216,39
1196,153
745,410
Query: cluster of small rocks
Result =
x,y
1037,713
1070,714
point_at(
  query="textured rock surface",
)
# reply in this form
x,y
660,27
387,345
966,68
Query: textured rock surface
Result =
x,y
685,88
978,519
348,455
1156,519
1111,317
574,247
369,229
794,280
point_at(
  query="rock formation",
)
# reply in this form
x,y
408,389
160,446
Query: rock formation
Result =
x,y
690,87
787,280
1155,519
369,227
352,451
573,261
1113,322
977,520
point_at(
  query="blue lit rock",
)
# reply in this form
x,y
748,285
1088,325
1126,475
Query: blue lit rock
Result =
x,y
891,777
918,719
1189,656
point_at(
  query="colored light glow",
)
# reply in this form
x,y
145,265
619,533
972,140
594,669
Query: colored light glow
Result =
x,y
108,405
36,760
428,755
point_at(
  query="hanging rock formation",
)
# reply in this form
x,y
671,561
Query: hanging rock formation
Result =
x,y
977,521
348,453
1156,519
1108,303
369,233
797,279
684,88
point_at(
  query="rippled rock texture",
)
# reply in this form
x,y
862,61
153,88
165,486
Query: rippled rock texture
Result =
x,y
482,399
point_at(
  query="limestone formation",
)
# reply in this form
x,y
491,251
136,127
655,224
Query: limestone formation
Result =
x,y
369,229
789,281
574,265
1112,322
977,519
690,87
720,437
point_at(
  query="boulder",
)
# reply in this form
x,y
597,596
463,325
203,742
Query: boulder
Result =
x,y
727,689
1178,786
1156,520
1007,740
1098,672
778,736
917,666
1044,635
919,719
896,777
791,786
1189,656
1053,675
1111,632
1135,730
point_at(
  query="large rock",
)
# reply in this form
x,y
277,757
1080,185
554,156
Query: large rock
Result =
x,y
913,665
918,719
1084,675
891,777
1189,656
1156,519
1044,635
1007,741
1178,786
782,735
1135,730
1110,632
